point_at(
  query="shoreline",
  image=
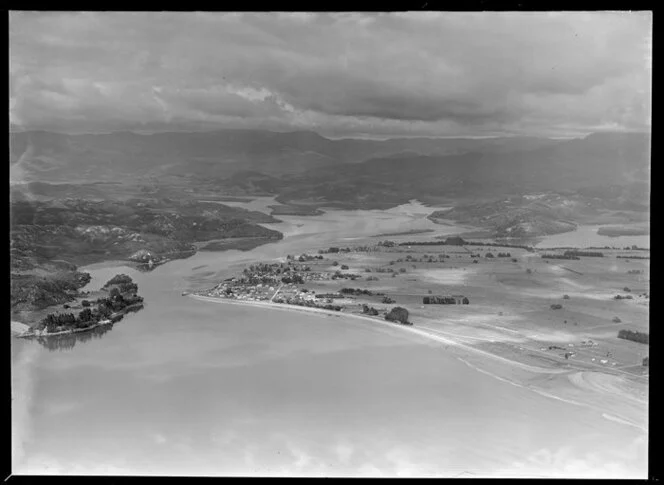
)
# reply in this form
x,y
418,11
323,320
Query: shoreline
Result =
x,y
114,318
532,371
436,337
65,332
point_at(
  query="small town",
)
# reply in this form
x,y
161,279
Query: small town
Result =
x,y
284,282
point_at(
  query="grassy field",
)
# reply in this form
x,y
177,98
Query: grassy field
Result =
x,y
510,310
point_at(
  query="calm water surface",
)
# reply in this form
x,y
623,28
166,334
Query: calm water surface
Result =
x,y
586,236
195,388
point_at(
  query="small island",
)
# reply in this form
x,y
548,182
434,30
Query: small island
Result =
x,y
114,300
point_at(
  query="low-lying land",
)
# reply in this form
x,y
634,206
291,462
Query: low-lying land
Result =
x,y
509,302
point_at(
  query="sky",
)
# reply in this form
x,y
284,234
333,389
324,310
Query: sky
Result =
x,y
340,74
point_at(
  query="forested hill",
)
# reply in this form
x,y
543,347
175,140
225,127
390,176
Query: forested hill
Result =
x,y
301,165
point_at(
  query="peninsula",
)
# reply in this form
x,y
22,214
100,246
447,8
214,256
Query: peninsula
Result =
x,y
104,307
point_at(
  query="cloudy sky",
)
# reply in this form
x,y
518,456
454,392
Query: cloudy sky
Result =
x,y
382,74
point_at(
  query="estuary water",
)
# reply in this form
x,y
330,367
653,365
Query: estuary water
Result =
x,y
586,235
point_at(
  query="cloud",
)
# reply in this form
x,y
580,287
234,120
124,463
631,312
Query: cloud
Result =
x,y
348,73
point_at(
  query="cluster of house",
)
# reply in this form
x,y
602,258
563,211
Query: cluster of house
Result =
x,y
264,281
277,273
295,296
258,292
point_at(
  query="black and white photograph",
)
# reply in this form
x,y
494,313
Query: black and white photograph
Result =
x,y
330,244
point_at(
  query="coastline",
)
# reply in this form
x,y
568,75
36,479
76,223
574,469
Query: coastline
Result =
x,y
116,317
571,376
436,337
65,332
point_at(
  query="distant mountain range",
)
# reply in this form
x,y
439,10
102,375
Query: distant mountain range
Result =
x,y
303,165
58,156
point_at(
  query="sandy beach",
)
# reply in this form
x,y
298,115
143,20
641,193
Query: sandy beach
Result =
x,y
428,335
18,328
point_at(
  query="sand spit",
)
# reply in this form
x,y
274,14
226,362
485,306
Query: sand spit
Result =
x,y
435,336
596,382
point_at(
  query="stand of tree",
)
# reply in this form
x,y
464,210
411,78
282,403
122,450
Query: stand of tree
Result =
x,y
559,256
369,310
423,243
498,245
355,291
398,314
339,275
295,279
634,336
443,300
123,282
591,254
311,304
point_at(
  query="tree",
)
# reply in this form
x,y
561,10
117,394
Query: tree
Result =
x,y
119,279
369,310
104,310
398,314
640,337
85,303
85,315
